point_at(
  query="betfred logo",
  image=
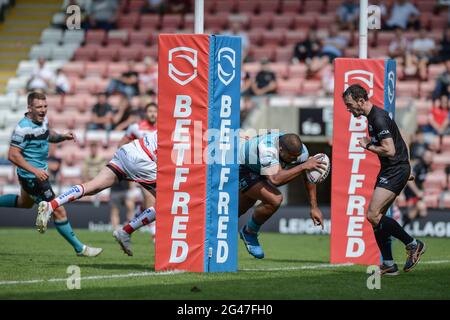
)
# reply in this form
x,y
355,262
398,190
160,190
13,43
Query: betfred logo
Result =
x,y
227,61
185,59
363,76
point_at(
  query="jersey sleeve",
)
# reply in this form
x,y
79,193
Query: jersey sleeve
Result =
x,y
268,156
18,138
131,132
381,127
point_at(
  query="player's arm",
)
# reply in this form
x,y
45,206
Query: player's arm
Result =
x,y
55,137
386,149
315,213
129,135
16,157
279,176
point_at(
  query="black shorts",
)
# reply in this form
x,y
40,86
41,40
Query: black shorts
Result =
x,y
248,178
394,178
36,189
151,187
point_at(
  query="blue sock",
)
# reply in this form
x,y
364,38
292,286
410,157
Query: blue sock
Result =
x,y
253,226
66,231
9,200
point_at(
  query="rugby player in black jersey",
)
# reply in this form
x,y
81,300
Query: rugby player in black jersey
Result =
x,y
386,142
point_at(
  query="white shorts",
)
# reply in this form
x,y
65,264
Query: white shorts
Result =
x,y
131,162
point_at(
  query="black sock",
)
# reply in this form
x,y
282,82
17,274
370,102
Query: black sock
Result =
x,y
406,220
384,243
392,228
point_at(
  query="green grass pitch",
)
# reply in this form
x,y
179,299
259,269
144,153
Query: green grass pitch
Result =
x,y
295,267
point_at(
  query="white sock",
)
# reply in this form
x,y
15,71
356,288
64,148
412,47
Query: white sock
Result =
x,y
146,217
74,193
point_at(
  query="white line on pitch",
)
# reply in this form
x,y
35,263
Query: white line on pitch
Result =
x,y
165,273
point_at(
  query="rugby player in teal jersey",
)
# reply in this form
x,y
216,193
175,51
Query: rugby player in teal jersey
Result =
x,y
29,152
266,162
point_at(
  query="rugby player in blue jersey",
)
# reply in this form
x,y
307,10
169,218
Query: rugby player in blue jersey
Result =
x,y
266,162
29,152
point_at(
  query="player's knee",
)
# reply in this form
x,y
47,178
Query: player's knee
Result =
x,y
276,201
373,217
60,213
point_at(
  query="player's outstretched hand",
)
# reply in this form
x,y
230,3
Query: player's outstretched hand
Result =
x,y
41,175
317,217
315,164
71,136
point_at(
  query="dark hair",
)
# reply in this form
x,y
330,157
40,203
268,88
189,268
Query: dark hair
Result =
x,y
35,96
151,104
356,92
291,143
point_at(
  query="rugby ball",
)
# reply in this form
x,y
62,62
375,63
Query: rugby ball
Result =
x,y
315,176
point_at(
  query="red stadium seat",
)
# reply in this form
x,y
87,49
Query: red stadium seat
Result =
x,y
96,37
86,53
439,22
434,70
255,36
149,22
260,53
385,38
297,70
288,6
248,7
129,21
306,21
172,21
252,68
425,6
288,87
311,87
313,6
109,53
324,21
332,6
408,88
74,68
116,69
431,200
216,22
74,102
293,37
283,54
280,69
263,21
131,53
273,6
87,85
118,37
285,21
98,68
135,5
54,102
427,88
140,37
435,179
440,162
273,37
225,6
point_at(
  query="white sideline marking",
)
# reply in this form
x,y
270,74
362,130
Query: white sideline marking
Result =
x,y
165,273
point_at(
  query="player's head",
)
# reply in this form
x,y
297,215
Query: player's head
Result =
x,y
355,98
151,112
290,147
37,106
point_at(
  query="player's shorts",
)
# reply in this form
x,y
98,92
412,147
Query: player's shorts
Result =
x,y
394,178
248,178
131,163
37,190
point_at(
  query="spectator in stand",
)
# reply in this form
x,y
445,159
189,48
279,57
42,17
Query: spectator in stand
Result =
x,y
237,30
403,15
438,122
443,48
265,81
124,115
442,83
154,6
422,50
42,78
102,114
328,80
62,84
418,147
91,166
307,49
54,164
93,163
148,79
348,14
414,192
103,14
127,83
179,6
399,46
332,47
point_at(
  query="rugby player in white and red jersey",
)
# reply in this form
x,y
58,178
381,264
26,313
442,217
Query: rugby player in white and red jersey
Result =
x,y
134,161
148,124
